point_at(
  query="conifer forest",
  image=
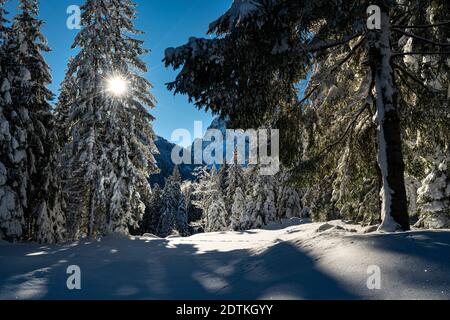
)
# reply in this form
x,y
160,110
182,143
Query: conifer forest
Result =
x,y
224,150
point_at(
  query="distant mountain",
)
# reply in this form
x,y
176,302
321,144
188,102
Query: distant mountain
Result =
x,y
221,125
165,163
216,124
164,159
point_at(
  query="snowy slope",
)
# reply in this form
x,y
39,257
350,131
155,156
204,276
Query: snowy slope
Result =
x,y
301,261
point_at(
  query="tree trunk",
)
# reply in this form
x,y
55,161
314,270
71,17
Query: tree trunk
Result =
x,y
394,212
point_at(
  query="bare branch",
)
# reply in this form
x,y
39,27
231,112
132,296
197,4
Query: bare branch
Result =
x,y
309,94
424,26
346,132
344,60
327,44
413,77
350,54
401,54
421,38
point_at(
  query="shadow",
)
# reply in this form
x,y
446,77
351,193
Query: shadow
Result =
x,y
282,272
163,269
421,259
434,246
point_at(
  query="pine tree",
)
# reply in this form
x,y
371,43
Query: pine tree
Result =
x,y
13,184
149,223
47,204
255,199
72,184
217,218
30,149
235,179
279,43
357,179
62,109
166,223
51,223
321,205
173,214
266,199
194,213
206,186
292,204
261,199
222,178
434,195
3,22
289,202
239,219
270,211
111,145
182,220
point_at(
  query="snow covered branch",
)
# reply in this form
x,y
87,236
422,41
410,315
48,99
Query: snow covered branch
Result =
x,y
408,34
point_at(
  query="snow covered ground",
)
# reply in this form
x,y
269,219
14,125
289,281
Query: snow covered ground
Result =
x,y
296,261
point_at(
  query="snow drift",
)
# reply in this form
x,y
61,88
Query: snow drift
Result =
x,y
296,260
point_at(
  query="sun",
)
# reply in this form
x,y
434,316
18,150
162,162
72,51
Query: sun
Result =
x,y
117,86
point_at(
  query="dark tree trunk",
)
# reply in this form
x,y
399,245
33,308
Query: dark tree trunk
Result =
x,y
390,158
395,170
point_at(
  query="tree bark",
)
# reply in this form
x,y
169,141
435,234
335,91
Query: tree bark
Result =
x,y
390,156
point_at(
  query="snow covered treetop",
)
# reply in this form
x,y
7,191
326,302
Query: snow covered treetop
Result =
x,y
239,11
196,47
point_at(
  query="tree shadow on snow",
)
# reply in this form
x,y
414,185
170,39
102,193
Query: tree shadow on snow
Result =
x,y
420,258
162,269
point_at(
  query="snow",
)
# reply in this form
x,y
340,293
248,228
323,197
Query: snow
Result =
x,y
6,86
433,197
4,130
294,260
239,11
3,174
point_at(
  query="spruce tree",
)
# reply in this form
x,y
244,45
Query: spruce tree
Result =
x,y
194,213
13,168
31,151
255,199
222,178
290,205
3,22
289,202
48,220
356,177
235,179
149,223
434,195
270,199
206,186
173,214
239,221
280,42
217,218
111,145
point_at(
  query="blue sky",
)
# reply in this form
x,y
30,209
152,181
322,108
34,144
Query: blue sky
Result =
x,y
166,23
